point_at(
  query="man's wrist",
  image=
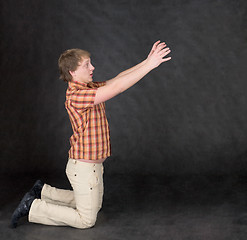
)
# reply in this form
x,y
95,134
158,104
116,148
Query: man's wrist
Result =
x,y
147,65
144,61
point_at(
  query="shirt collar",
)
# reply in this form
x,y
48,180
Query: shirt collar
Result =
x,y
77,84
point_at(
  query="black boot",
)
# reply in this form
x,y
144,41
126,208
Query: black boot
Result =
x,y
36,189
22,209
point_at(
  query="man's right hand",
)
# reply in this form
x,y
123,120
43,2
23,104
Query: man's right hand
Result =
x,y
157,54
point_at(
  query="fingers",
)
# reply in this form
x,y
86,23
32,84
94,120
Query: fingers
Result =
x,y
166,59
160,46
159,51
164,52
153,48
155,45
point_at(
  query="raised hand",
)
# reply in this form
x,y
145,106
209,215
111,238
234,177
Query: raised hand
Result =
x,y
157,54
153,48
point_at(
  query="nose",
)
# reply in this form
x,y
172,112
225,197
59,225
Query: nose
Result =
x,y
92,67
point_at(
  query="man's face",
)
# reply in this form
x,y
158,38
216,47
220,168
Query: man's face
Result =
x,y
84,71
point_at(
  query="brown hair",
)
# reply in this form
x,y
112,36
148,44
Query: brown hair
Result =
x,y
69,61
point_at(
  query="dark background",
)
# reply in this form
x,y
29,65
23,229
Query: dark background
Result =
x,y
189,116
179,137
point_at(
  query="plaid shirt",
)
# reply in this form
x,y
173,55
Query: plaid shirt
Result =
x,y
91,139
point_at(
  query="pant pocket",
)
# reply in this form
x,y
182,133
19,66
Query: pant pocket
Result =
x,y
93,180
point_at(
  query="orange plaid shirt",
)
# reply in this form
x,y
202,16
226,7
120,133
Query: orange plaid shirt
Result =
x,y
91,139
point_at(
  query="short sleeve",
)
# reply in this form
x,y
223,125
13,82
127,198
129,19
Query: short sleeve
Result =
x,y
83,98
100,84
96,84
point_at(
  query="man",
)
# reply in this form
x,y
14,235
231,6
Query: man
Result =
x,y
90,142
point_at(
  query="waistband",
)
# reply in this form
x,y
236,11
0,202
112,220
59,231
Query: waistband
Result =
x,y
89,161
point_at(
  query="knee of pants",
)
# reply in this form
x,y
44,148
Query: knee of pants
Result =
x,y
90,222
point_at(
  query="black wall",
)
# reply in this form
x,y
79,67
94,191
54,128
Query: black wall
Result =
x,y
187,116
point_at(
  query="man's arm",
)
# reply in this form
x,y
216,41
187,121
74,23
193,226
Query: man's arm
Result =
x,y
132,68
139,64
128,78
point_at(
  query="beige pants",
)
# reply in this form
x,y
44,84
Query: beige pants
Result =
x,y
77,208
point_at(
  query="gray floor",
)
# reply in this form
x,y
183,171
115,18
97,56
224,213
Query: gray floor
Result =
x,y
145,207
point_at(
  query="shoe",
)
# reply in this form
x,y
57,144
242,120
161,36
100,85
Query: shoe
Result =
x,y
36,189
22,209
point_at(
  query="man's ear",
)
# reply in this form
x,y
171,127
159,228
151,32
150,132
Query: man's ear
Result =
x,y
72,73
